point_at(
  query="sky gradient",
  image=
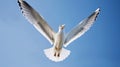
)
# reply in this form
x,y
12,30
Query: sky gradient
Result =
x,y
21,45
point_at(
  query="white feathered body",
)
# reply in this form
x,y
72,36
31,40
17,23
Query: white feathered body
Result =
x,y
57,52
59,39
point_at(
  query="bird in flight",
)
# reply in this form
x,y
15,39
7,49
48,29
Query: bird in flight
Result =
x,y
57,52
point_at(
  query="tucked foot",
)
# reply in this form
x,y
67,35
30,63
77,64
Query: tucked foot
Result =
x,y
58,55
55,54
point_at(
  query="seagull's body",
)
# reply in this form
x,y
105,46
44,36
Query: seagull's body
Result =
x,y
58,40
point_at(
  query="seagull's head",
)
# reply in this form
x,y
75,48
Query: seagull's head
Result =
x,y
61,27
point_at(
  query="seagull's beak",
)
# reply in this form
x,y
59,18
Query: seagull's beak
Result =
x,y
62,26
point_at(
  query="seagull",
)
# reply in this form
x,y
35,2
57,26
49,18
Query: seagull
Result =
x,y
58,40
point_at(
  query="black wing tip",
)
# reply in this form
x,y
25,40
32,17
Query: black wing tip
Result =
x,y
97,12
20,4
23,4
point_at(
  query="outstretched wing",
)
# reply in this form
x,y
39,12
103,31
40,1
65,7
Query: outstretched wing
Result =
x,y
81,28
38,22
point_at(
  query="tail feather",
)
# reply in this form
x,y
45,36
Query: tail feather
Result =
x,y
50,54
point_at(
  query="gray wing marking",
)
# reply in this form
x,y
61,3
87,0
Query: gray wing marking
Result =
x,y
38,22
81,28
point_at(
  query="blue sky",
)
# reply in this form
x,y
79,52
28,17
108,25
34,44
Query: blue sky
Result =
x,y
21,45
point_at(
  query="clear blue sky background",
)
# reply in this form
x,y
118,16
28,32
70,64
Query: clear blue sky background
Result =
x,y
21,45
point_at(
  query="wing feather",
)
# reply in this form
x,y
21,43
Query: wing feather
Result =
x,y
38,22
81,28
